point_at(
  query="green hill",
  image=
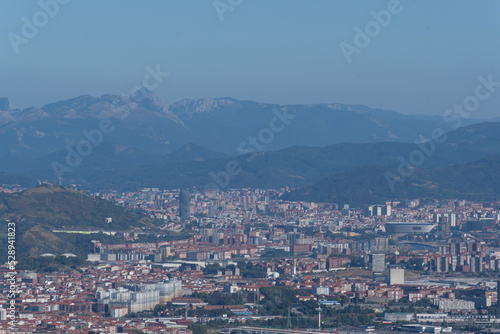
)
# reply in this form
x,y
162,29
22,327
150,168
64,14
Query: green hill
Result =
x,y
40,211
63,208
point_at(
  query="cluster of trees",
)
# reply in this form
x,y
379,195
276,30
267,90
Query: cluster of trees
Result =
x,y
278,300
423,305
494,310
248,270
198,328
218,298
211,268
352,315
274,253
51,264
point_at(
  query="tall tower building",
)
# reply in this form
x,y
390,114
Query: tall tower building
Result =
x,y
378,263
184,204
498,293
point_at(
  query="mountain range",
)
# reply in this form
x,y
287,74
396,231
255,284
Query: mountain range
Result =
x,y
148,130
332,152
297,166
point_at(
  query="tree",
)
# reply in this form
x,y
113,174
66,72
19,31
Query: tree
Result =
x,y
198,328
159,308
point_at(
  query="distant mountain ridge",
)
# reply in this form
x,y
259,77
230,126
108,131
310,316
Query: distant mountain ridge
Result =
x,y
475,181
152,128
296,166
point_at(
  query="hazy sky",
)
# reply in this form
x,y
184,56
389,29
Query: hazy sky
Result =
x,y
427,57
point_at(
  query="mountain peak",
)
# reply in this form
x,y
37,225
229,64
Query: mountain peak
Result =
x,y
111,106
188,107
71,106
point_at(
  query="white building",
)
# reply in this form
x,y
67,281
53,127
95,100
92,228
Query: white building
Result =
x,y
447,305
321,290
138,297
396,276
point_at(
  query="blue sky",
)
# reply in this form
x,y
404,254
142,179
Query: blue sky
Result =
x,y
279,51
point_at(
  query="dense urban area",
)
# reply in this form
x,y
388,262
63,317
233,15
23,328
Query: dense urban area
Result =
x,y
244,261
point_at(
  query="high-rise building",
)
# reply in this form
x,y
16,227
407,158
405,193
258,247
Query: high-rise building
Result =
x,y
453,219
165,252
476,264
379,244
184,204
388,210
378,210
441,264
498,293
295,238
378,263
450,218
211,211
